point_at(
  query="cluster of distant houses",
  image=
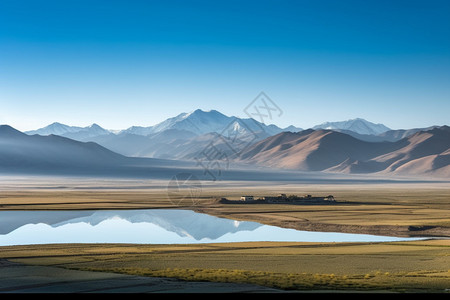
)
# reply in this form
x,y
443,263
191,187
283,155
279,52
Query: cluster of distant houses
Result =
x,y
283,198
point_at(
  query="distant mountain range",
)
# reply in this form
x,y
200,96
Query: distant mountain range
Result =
x,y
22,154
201,122
197,122
73,132
180,137
186,135
17,147
353,146
35,154
424,152
359,126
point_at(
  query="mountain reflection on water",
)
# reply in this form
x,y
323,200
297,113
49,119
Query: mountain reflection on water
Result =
x,y
151,226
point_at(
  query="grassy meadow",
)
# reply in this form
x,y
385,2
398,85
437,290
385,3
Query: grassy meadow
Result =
x,y
419,266
395,209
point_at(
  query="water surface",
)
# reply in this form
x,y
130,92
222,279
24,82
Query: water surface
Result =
x,y
152,226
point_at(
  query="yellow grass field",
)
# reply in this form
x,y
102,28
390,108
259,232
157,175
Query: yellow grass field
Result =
x,y
397,210
421,266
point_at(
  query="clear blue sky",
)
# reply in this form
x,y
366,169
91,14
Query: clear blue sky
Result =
x,y
124,63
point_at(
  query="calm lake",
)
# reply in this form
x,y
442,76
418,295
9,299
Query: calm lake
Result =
x,y
153,226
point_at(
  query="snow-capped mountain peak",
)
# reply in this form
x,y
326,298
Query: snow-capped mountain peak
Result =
x,y
68,131
201,122
55,128
357,125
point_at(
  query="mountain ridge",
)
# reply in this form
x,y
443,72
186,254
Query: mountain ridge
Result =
x,y
425,152
187,136
357,125
184,121
197,121
422,153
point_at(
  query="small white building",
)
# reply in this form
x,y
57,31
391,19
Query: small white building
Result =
x,y
247,198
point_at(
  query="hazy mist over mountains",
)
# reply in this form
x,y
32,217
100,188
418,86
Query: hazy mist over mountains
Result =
x,y
358,125
352,146
198,122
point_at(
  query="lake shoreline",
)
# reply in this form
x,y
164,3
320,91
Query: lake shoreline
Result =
x,y
419,266
399,210
154,226
381,230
